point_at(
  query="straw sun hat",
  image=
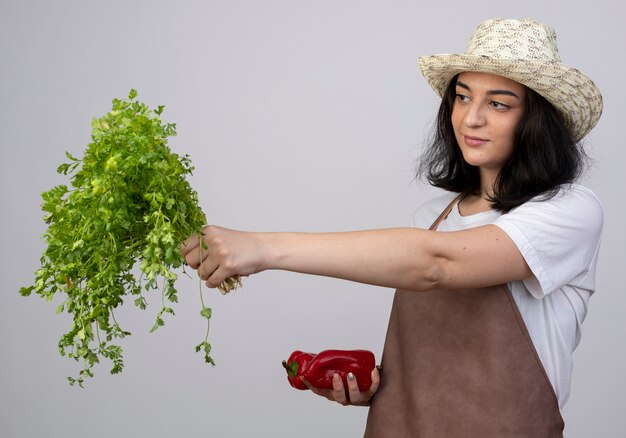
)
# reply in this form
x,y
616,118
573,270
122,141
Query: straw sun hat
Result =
x,y
526,52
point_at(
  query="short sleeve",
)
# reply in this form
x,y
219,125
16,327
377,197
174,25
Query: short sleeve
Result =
x,y
559,238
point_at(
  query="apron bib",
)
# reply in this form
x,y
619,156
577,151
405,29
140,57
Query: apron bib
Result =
x,y
460,363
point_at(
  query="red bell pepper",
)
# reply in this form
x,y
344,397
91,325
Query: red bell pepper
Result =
x,y
295,366
319,369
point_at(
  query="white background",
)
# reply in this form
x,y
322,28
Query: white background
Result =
x,y
298,115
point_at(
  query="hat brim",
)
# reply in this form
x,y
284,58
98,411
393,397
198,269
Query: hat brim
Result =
x,y
570,91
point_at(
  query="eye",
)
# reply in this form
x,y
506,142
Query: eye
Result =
x,y
462,98
499,105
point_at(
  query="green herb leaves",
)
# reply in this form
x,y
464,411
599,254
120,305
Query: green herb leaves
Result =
x,y
129,205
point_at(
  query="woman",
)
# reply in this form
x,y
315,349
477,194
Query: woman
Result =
x,y
493,283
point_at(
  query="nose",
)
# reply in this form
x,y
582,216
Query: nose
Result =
x,y
474,115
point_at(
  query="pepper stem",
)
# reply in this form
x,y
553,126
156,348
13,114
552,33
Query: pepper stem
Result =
x,y
292,368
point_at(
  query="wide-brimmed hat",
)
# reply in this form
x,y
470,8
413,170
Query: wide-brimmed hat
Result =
x,y
526,52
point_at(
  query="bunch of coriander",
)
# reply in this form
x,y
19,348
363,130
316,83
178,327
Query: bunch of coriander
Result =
x,y
129,205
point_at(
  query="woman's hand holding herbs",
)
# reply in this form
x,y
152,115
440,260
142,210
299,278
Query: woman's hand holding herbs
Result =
x,y
223,255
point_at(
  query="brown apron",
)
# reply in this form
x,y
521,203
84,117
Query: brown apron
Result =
x,y
460,363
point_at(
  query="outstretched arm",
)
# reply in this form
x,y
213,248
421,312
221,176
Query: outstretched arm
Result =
x,y
403,258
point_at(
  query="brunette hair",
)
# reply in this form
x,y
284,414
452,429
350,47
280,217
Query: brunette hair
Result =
x,y
544,155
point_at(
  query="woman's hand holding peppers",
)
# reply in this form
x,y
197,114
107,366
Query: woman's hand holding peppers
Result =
x,y
350,395
333,374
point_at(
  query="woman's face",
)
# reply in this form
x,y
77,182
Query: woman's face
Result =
x,y
485,114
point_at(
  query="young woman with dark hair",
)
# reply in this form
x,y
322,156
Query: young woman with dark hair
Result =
x,y
545,155
494,279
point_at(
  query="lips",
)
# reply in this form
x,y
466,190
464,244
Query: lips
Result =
x,y
474,141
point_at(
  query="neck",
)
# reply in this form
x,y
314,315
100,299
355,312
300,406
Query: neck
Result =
x,y
473,204
487,182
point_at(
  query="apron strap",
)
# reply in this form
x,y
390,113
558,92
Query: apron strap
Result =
x,y
444,214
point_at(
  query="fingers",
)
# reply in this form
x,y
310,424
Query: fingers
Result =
x,y
217,277
207,256
374,386
350,394
358,398
366,396
189,250
314,390
199,259
353,390
354,395
339,392
189,245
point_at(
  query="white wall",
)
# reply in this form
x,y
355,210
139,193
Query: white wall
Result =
x,y
299,115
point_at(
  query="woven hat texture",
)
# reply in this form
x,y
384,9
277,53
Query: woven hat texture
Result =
x,y
525,51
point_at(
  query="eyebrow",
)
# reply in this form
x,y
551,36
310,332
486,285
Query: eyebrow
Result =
x,y
490,92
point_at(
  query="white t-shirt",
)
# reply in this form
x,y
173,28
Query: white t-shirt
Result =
x,y
559,238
